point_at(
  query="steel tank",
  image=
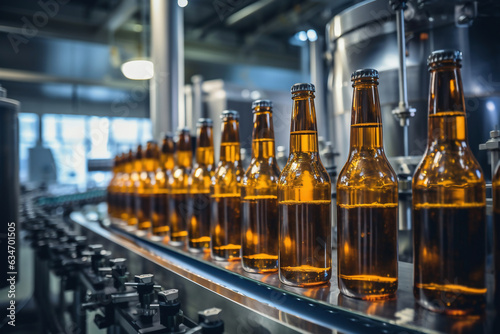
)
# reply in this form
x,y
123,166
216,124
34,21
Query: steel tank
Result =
x,y
364,35
9,184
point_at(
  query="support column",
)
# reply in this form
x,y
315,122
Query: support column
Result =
x,y
167,54
317,69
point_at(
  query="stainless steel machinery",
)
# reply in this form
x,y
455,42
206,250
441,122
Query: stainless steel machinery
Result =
x,y
365,35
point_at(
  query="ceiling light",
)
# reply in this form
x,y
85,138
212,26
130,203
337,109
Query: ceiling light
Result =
x,y
138,69
182,3
302,36
311,35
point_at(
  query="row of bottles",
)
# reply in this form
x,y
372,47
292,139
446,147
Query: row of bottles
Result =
x,y
281,221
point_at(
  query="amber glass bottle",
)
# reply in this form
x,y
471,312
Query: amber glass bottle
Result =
x,y
178,188
367,202
112,188
225,192
448,201
132,190
496,232
125,185
120,196
161,213
199,188
304,200
259,217
145,188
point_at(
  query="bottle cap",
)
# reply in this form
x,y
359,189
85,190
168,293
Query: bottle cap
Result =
x,y
230,114
303,86
183,130
262,104
204,122
440,55
168,136
152,142
364,73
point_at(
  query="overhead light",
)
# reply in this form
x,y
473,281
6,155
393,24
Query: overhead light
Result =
x,y
311,35
138,69
182,3
302,36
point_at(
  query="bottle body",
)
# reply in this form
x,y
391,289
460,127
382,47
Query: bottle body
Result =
x,y
449,204
259,196
367,202
124,203
178,189
112,194
146,188
199,189
496,232
133,185
304,201
161,212
225,194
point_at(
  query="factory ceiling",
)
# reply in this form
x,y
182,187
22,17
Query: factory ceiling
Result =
x,y
60,46
257,32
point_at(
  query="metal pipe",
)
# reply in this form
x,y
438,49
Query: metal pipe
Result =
x,y
197,81
167,54
403,91
405,139
317,78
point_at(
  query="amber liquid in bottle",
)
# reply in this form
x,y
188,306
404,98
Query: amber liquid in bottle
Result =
x,y
178,200
259,196
496,233
304,201
199,189
225,192
161,212
145,189
367,202
132,188
112,192
449,205
125,184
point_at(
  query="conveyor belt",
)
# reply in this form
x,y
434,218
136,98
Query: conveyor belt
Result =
x,y
262,304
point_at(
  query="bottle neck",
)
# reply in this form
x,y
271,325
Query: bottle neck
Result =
x,y
263,146
205,146
366,118
303,129
447,121
230,141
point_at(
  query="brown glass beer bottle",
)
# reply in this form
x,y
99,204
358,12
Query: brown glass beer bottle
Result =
x,y
448,201
225,192
161,213
304,200
367,202
259,196
178,188
199,188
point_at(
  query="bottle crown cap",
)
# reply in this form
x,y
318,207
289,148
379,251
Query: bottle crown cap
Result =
x,y
262,104
230,114
364,73
182,130
204,121
302,86
440,55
